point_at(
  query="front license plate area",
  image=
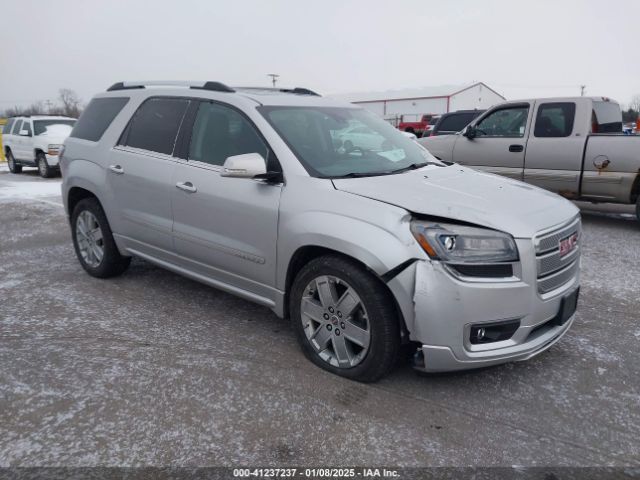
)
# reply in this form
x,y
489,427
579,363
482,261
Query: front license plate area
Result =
x,y
568,306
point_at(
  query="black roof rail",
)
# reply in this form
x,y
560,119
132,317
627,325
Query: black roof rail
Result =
x,y
296,90
215,87
301,91
122,86
211,86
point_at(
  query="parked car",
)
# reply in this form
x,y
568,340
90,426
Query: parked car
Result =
x,y
454,122
367,252
35,141
361,137
571,146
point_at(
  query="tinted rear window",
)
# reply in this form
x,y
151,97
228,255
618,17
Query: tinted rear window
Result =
x,y
456,122
155,125
555,119
607,118
97,117
7,128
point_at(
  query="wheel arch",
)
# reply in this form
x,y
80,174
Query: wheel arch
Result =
x,y
76,194
304,254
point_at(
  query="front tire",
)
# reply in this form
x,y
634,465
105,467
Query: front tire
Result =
x,y
44,169
13,167
345,319
93,241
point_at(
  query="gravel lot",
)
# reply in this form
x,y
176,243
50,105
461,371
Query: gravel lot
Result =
x,y
154,369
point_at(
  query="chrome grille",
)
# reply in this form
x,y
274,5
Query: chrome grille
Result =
x,y
555,270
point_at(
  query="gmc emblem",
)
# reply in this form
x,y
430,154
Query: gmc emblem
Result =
x,y
568,244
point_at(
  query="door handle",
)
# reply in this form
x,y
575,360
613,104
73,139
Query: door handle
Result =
x,y
187,187
116,169
516,148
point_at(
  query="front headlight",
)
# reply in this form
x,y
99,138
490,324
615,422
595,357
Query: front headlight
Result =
x,y
458,244
53,149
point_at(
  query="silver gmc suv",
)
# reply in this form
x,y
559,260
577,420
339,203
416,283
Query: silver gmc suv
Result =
x,y
326,214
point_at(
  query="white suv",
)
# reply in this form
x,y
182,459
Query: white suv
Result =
x,y
35,142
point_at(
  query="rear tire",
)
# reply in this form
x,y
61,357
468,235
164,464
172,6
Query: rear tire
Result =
x,y
13,167
93,241
44,169
356,335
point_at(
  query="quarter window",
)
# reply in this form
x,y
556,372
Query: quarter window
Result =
x,y
220,132
26,125
7,127
506,122
97,117
555,120
155,125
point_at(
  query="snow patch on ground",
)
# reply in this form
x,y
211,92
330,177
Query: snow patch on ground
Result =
x,y
29,190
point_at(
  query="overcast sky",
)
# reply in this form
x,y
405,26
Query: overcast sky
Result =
x,y
519,48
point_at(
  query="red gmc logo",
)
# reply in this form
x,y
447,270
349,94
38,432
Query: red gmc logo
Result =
x,y
568,244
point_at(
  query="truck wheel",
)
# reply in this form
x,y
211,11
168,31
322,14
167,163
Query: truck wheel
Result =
x,y
93,241
13,167
638,209
344,319
43,167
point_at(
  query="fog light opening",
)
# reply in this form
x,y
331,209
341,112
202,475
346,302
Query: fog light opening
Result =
x,y
493,332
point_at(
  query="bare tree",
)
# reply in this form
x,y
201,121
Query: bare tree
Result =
x,y
70,102
635,103
36,108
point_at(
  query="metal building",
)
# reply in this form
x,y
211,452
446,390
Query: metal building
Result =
x,y
411,104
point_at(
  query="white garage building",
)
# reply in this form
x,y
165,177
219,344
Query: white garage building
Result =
x,y
411,104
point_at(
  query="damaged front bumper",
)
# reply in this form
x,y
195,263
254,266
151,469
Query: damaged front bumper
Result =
x,y
443,314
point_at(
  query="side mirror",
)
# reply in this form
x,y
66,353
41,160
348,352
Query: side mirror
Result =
x,y
248,165
470,132
24,133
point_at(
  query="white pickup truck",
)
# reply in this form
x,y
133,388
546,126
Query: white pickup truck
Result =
x,y
35,142
572,146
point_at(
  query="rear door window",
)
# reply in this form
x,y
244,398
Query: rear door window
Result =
x,y
97,117
555,119
155,125
17,127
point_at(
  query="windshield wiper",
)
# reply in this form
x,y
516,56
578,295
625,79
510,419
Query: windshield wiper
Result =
x,y
415,166
360,174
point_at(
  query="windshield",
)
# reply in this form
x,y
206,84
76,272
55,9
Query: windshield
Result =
x,y
337,142
41,126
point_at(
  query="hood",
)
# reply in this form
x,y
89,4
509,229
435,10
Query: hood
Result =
x,y
463,194
55,133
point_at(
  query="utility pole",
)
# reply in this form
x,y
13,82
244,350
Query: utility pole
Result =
x,y
274,78
582,87
49,105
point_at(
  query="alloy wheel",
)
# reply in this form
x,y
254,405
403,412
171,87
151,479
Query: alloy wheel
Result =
x,y
89,238
335,321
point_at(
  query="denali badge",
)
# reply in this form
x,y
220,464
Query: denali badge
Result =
x,y
568,244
